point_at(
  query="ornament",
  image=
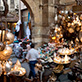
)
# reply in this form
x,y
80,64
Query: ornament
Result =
x,y
56,18
10,62
7,67
62,12
71,30
60,16
63,18
66,12
9,37
17,67
71,42
77,39
78,28
5,54
18,63
54,38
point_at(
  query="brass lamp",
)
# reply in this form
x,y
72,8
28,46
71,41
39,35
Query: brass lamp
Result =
x,y
5,50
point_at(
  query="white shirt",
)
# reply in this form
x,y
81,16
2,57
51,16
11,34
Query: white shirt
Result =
x,y
32,55
18,26
28,32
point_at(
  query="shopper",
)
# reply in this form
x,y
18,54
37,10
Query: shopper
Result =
x,y
33,57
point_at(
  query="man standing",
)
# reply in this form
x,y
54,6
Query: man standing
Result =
x,y
32,56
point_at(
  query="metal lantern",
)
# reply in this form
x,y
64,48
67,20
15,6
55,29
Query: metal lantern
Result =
x,y
5,54
71,30
7,67
9,37
18,63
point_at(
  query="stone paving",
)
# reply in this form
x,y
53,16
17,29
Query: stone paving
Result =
x,y
24,65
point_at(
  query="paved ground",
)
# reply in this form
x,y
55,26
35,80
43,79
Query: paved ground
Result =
x,y
24,65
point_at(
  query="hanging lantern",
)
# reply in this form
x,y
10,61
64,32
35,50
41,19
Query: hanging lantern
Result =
x,y
18,63
7,67
9,37
77,29
5,54
66,12
56,18
77,40
54,38
10,62
71,30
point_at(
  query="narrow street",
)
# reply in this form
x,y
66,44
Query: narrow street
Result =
x,y
24,64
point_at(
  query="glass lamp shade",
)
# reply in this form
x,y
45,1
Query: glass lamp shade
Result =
x,y
71,30
9,37
7,67
5,54
18,63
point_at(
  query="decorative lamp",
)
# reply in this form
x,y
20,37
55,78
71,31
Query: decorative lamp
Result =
x,y
7,67
71,30
17,67
5,54
54,38
18,63
9,37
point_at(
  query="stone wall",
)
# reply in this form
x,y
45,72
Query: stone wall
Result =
x,y
42,14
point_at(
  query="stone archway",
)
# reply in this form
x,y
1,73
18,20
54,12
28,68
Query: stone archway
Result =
x,y
36,14
34,10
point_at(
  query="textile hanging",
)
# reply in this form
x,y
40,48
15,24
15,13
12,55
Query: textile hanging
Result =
x,y
18,26
28,16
